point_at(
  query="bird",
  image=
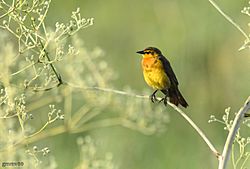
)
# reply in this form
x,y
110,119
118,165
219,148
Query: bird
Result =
x,y
159,75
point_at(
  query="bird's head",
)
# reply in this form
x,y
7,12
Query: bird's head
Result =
x,y
150,52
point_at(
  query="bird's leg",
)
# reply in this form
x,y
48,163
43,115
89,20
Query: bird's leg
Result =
x,y
153,97
161,99
165,100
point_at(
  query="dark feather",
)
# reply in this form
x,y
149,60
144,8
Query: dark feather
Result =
x,y
173,92
168,70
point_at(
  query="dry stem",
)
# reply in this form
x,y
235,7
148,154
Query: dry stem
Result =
x,y
232,133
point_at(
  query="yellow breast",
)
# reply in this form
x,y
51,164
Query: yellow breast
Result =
x,y
154,73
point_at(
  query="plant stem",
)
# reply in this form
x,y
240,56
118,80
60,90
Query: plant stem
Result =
x,y
58,76
247,41
199,131
229,19
184,115
232,133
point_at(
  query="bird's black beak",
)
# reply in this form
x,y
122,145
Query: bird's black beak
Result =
x,y
140,52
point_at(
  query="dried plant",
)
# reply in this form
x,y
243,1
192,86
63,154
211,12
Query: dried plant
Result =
x,y
43,70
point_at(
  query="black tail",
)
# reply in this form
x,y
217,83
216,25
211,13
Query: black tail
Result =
x,y
176,97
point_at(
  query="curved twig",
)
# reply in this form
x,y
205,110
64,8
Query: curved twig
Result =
x,y
184,115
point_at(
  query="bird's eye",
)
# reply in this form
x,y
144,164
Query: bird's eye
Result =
x,y
147,52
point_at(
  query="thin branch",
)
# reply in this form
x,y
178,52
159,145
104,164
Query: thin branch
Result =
x,y
199,131
23,69
245,160
8,116
184,115
43,127
232,133
39,131
105,90
62,129
42,135
229,19
78,115
43,48
58,76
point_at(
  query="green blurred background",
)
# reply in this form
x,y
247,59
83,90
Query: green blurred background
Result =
x,y
203,50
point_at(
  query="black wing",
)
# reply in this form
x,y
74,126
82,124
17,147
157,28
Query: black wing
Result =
x,y
168,70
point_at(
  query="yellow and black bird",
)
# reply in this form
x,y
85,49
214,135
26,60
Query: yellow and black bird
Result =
x,y
159,75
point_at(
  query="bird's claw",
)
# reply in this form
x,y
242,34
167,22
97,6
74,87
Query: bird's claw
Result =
x,y
165,100
162,99
153,98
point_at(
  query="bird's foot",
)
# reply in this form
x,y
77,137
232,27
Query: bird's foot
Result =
x,y
153,98
162,99
165,100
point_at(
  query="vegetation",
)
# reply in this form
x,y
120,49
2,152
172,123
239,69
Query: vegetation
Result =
x,y
53,88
